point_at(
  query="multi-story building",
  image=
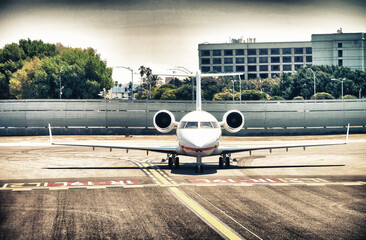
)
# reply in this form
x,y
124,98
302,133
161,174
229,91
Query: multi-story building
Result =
x,y
270,59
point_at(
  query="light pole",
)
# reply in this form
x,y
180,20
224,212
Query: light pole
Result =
x,y
128,68
233,81
60,82
314,83
240,88
336,79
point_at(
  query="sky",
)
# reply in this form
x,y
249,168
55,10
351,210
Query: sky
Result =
x,y
164,34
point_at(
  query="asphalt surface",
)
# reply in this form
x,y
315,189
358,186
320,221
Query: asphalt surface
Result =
x,y
57,192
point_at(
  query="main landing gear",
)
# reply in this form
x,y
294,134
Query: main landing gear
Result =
x,y
172,160
225,160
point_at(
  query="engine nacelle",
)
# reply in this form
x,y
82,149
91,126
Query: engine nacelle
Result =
x,y
164,121
233,121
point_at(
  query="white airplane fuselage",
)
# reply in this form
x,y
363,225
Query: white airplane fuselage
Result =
x,y
199,134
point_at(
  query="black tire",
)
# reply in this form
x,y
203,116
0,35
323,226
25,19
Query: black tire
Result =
x,y
227,162
170,163
177,162
221,162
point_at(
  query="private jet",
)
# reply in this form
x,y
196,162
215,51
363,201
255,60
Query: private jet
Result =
x,y
199,133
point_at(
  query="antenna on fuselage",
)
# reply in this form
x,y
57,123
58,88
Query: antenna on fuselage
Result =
x,y
198,91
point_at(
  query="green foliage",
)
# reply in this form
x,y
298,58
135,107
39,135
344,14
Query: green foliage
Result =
x,y
210,88
350,97
169,95
176,82
322,95
184,92
226,95
160,90
298,98
254,95
276,98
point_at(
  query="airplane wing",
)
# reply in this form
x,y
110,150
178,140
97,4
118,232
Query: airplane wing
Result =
x,y
161,149
234,149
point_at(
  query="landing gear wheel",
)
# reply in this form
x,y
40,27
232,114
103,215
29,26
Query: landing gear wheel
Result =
x,y
177,162
221,162
227,162
170,162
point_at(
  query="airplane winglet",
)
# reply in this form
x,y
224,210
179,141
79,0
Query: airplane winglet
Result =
x,y
347,133
50,132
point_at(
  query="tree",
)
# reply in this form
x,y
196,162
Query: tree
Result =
x,y
210,88
254,95
161,90
184,92
169,95
83,75
22,82
322,95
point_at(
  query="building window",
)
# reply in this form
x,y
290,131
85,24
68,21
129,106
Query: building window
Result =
x,y
239,68
263,75
228,52
205,53
287,67
217,68
299,58
263,51
239,60
340,62
287,59
340,45
309,58
205,61
309,50
299,51
340,53
252,51
275,51
263,68
252,68
216,52
228,61
297,66
286,51
252,60
216,60
228,68
205,69
275,68
252,76
239,52
263,59
275,59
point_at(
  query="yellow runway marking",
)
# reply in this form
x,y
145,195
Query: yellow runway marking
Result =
x,y
157,175
200,211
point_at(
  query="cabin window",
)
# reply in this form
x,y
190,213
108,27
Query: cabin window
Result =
x,y
215,124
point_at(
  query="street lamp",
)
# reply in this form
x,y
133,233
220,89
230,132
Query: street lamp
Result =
x,y
233,81
336,79
128,68
61,87
314,83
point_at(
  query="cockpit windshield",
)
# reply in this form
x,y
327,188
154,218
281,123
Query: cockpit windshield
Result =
x,y
206,125
195,125
191,125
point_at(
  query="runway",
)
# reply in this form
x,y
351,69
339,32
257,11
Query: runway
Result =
x,y
72,192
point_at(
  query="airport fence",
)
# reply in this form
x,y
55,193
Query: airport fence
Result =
x,y
31,117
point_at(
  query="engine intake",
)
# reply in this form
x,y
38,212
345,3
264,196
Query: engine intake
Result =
x,y
233,121
164,121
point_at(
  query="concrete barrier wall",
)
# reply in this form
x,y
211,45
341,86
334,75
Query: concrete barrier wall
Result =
x,y
113,114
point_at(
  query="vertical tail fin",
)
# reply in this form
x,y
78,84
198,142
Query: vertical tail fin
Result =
x,y
198,93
